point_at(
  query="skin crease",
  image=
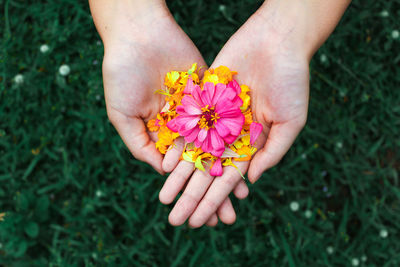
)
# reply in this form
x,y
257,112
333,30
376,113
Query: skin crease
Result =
x,y
134,66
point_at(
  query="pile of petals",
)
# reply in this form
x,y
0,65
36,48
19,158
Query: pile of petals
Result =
x,y
213,115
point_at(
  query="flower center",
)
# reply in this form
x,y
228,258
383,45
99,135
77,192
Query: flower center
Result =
x,y
208,118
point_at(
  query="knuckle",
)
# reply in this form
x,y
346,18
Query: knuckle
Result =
x,y
231,181
211,205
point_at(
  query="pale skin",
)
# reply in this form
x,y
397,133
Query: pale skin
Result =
x,y
139,50
271,52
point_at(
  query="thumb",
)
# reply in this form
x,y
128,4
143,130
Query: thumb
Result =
x,y
281,136
134,134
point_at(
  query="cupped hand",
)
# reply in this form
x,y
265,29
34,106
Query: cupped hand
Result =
x,y
269,56
143,43
138,54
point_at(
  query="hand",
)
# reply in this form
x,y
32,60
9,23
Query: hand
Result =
x,y
271,59
142,43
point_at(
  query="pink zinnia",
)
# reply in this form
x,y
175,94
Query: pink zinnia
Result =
x,y
210,117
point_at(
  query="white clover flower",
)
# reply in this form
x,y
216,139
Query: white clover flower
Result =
x,y
364,258
222,8
330,250
64,70
303,156
44,48
98,43
19,79
395,34
339,145
384,14
323,58
383,233
294,206
99,193
308,214
98,97
355,262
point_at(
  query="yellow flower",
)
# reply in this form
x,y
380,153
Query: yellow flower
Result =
x,y
224,74
166,138
197,156
192,69
151,125
171,78
245,153
245,97
210,77
2,215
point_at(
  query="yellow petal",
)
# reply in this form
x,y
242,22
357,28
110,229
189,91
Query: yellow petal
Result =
x,y
199,165
187,156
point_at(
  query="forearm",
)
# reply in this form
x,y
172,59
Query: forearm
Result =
x,y
309,21
116,17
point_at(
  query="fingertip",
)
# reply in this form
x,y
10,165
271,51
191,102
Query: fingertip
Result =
x,y
168,166
164,198
213,221
241,191
229,218
174,221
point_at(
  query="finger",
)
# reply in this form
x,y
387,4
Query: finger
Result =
x,y
189,199
217,193
226,212
172,156
175,182
213,221
280,138
153,136
134,134
241,191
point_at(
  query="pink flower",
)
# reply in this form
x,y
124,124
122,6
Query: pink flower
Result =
x,y
255,130
210,117
216,169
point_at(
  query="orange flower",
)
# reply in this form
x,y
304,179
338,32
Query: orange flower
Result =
x,y
224,74
151,125
166,138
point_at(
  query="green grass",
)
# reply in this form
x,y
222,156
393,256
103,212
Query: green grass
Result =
x,y
75,197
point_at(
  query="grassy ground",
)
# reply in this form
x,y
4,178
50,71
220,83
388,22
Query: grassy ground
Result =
x,y
74,196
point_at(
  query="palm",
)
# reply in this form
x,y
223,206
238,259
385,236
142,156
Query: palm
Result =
x,y
133,69
278,78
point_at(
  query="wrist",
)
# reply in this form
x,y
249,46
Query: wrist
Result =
x,y
306,24
125,19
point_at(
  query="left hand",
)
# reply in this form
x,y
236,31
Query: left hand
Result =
x,y
272,60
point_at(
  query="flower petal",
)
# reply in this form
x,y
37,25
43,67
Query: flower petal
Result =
x,y
190,105
189,86
202,134
192,123
183,120
229,139
172,125
235,125
219,89
206,145
255,130
217,143
216,169
234,84
221,128
193,135
196,93
207,93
